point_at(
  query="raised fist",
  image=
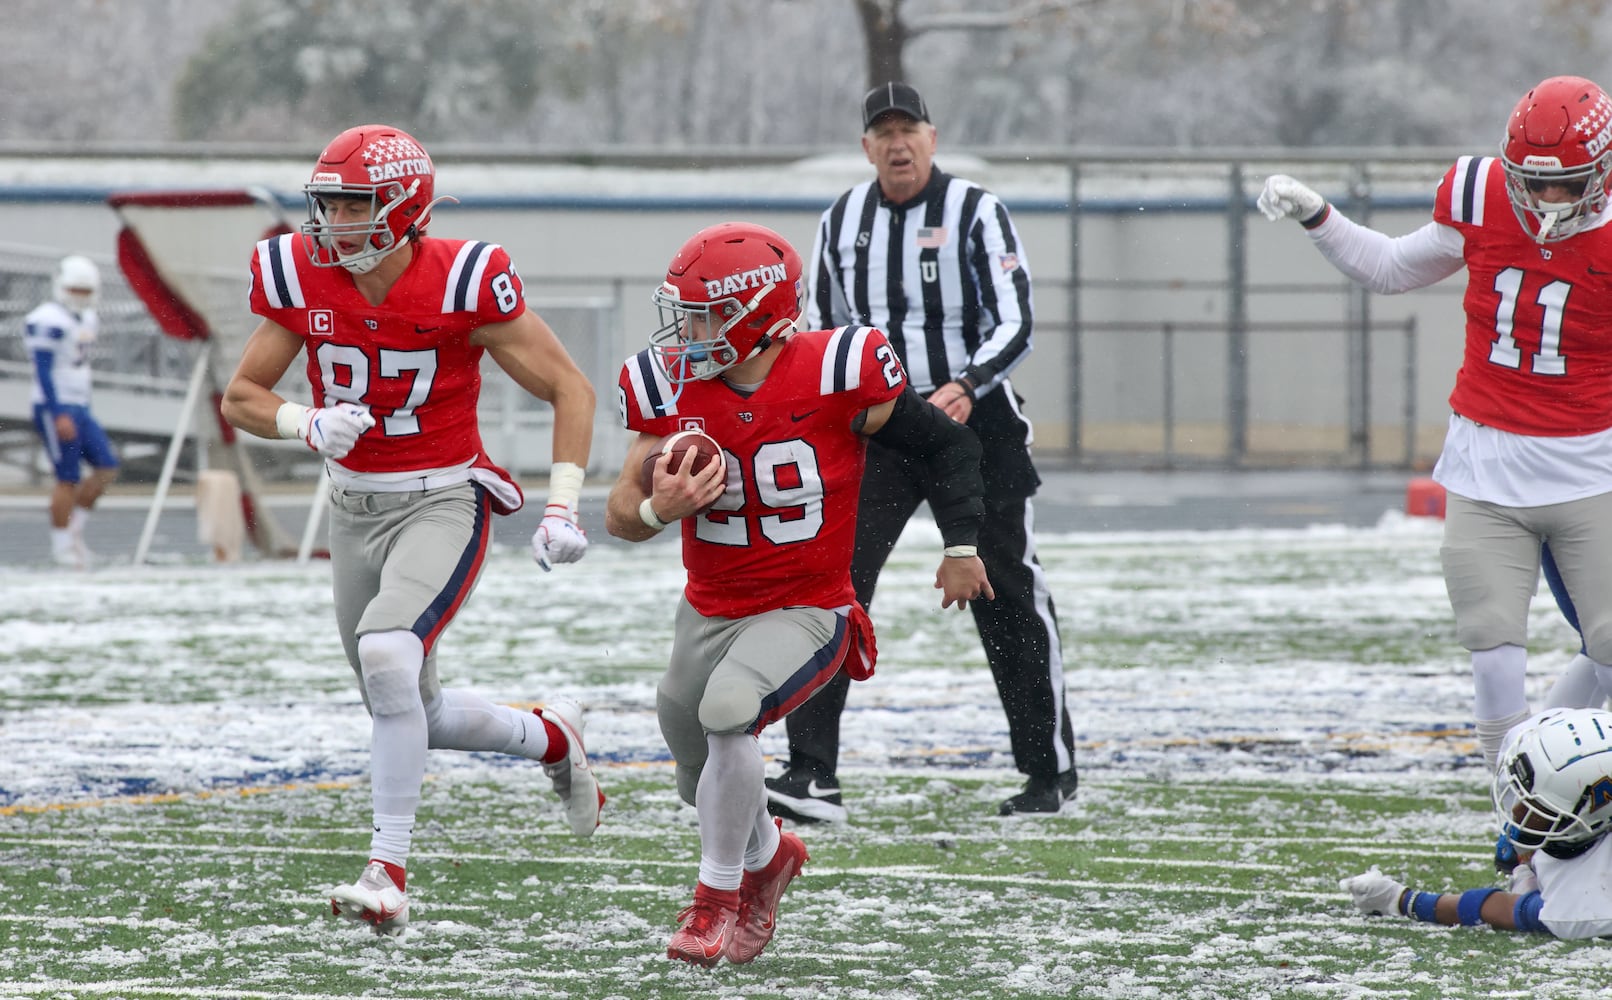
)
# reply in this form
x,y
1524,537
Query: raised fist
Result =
x,y
1284,197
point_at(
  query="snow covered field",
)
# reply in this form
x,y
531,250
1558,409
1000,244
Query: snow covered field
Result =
x,y
1260,713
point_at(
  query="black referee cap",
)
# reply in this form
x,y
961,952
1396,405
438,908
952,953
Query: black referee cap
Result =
x,y
893,97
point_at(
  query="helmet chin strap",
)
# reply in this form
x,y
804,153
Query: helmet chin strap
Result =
x,y
1547,222
677,384
367,262
425,213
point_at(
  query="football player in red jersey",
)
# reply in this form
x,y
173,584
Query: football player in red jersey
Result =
x,y
1528,455
769,614
393,325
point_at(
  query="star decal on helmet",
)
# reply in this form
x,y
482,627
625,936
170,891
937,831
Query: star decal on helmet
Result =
x,y
390,148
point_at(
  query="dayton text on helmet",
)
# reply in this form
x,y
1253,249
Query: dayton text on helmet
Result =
x,y
397,168
766,274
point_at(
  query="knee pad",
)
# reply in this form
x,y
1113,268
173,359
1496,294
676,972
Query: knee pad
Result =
x,y
1485,626
728,708
680,728
688,782
390,663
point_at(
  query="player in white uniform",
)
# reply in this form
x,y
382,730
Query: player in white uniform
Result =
x,y
1553,793
58,335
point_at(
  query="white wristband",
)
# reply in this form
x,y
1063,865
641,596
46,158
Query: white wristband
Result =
x,y
565,484
960,551
288,418
646,510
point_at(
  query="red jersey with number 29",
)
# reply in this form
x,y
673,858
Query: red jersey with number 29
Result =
x,y
1538,358
782,534
409,359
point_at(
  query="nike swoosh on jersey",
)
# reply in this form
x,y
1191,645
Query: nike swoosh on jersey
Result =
x,y
798,417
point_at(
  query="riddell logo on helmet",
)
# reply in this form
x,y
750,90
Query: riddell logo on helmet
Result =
x,y
753,278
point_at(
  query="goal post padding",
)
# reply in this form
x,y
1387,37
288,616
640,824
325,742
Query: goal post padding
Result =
x,y
185,254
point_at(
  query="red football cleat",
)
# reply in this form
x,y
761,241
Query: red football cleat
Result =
x,y
705,926
758,898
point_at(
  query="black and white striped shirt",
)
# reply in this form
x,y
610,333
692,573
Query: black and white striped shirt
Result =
x,y
943,275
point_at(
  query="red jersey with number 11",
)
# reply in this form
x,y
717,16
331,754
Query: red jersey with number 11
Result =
x,y
782,534
1538,358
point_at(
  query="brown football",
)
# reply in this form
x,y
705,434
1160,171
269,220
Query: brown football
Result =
x,y
702,444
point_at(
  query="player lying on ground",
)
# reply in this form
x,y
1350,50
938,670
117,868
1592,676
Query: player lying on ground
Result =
x,y
1553,792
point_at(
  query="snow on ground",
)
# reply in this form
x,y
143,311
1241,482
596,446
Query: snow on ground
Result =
x,y
188,677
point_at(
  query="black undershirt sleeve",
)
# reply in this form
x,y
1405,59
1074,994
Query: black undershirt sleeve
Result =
x,y
951,453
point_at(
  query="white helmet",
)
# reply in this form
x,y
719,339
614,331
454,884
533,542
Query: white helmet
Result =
x,y
78,283
1554,785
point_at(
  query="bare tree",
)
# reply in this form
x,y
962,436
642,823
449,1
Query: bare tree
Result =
x,y
887,33
321,66
601,74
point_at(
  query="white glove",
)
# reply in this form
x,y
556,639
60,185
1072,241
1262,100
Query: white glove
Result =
x,y
558,539
1374,893
1283,197
1523,880
333,430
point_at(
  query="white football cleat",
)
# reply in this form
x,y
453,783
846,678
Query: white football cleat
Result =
x,y
72,556
374,899
573,779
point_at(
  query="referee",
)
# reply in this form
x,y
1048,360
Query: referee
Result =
x,y
935,262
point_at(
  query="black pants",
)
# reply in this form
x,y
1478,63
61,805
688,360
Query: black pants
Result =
x,y
1019,629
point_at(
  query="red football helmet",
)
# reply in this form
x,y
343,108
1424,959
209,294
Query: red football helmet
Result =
x,y
1559,135
384,165
730,291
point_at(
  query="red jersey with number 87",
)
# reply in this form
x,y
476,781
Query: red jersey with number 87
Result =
x,y
1538,357
409,359
783,532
